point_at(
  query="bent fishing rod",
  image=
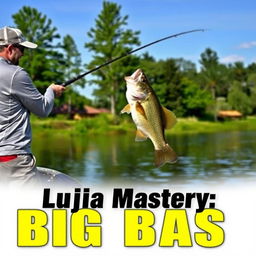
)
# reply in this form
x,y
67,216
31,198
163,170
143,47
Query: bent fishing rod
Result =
x,y
126,54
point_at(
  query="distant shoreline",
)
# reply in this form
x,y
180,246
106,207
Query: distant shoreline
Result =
x,y
108,124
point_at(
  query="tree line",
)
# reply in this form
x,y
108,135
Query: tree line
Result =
x,y
179,85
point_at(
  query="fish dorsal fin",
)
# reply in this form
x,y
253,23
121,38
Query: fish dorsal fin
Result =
x,y
140,109
140,136
126,109
169,118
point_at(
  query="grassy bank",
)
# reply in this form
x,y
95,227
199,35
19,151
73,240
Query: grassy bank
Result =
x,y
192,125
110,124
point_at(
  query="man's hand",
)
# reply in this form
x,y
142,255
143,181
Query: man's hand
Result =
x,y
58,89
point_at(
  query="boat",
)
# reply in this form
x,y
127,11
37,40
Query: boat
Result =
x,y
50,177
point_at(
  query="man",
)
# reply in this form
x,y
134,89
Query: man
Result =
x,y
19,97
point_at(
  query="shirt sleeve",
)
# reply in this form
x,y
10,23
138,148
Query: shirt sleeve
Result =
x,y
30,97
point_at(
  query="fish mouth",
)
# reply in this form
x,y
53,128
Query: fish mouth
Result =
x,y
137,77
137,98
137,74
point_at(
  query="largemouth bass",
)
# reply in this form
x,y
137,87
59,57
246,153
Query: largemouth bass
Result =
x,y
150,118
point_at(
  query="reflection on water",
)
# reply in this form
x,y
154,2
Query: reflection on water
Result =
x,y
100,158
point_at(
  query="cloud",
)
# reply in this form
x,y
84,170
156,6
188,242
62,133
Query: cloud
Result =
x,y
247,45
232,59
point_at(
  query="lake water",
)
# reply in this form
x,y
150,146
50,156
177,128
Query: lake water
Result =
x,y
95,159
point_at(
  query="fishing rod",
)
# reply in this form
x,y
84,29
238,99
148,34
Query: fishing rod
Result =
x,y
126,54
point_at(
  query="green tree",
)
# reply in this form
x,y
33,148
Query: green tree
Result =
x,y
165,77
43,63
251,84
239,72
253,99
212,74
109,39
168,86
72,66
209,65
195,100
251,68
251,80
238,99
72,60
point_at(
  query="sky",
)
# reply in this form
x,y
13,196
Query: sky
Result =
x,y
230,25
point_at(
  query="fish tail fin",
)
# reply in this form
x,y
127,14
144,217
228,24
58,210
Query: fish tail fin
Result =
x,y
165,155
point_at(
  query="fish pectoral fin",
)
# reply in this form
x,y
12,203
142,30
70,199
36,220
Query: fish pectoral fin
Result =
x,y
165,155
126,109
169,118
140,136
139,108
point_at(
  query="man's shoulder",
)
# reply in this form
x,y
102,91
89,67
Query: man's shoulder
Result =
x,y
8,68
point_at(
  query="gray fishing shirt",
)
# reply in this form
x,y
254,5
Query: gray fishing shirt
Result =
x,y
19,97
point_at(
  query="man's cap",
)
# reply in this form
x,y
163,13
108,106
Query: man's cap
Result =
x,y
10,35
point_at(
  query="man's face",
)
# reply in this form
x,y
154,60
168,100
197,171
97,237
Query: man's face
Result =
x,y
15,52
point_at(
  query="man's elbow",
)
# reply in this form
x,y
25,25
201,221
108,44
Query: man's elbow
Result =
x,y
43,113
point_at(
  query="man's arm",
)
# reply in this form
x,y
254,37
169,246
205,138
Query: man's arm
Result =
x,y
31,98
